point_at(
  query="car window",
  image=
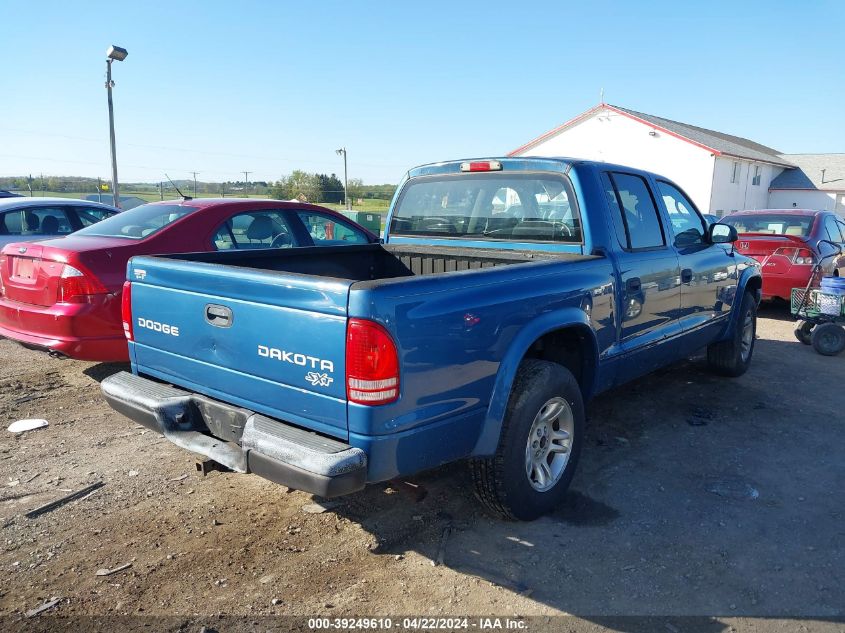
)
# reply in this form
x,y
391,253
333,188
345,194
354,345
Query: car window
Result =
x,y
832,228
841,229
35,221
254,229
771,224
688,227
327,230
633,203
139,222
91,215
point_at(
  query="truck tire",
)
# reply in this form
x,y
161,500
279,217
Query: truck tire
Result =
x,y
539,444
733,356
804,332
828,339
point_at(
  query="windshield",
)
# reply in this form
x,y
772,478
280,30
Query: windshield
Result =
x,y
489,206
774,224
138,223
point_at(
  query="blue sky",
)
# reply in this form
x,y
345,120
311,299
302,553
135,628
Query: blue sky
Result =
x,y
222,87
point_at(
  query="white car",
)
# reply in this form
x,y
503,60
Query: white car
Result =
x,y
32,219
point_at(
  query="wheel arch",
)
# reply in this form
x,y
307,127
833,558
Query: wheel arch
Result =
x,y
565,337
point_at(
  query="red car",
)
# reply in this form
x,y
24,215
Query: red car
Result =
x,y
63,295
788,243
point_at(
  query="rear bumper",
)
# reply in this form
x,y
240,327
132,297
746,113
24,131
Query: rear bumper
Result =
x,y
240,439
780,286
85,331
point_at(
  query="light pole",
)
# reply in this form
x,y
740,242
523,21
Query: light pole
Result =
x,y
119,54
339,152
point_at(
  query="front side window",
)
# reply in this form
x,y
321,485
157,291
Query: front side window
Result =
x,y
531,207
254,229
635,205
328,231
91,215
138,223
688,226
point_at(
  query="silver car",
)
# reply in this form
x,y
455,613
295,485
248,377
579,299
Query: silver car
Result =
x,y
32,219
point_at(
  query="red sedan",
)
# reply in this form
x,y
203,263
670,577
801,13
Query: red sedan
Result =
x,y
788,243
63,295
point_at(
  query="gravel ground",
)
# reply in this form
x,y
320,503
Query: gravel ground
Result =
x,y
696,495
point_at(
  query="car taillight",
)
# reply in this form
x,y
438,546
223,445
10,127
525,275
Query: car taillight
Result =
x,y
2,270
796,256
126,310
372,364
76,286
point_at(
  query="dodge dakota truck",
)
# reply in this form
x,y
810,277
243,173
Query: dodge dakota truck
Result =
x,y
506,294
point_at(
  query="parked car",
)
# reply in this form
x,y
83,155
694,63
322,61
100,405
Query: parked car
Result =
x,y
63,295
9,194
478,330
30,219
788,243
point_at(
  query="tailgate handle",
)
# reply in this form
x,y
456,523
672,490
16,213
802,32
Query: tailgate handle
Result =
x,y
218,316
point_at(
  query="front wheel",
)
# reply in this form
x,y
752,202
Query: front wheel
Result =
x,y
539,444
804,332
828,339
733,356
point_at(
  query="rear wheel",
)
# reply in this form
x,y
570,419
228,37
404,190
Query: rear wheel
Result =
x,y
733,356
828,339
804,331
539,444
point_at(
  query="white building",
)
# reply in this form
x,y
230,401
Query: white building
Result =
x,y
817,182
722,173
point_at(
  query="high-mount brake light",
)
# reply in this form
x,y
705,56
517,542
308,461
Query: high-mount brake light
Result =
x,y
372,364
126,310
482,165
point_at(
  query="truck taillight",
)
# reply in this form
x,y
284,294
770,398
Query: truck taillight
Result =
x,y
797,256
75,286
372,364
126,310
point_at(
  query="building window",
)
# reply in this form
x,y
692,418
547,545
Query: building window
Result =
x,y
735,173
757,175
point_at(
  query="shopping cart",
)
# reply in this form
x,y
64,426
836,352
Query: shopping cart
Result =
x,y
821,313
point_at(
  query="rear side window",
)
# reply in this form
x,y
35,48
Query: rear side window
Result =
x,y
35,221
328,231
139,222
254,229
634,211
528,207
832,228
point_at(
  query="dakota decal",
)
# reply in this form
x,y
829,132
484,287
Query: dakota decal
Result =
x,y
294,358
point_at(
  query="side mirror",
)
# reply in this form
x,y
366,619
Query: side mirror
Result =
x,y
723,233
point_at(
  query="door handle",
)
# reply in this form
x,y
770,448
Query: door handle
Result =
x,y
218,316
633,284
686,276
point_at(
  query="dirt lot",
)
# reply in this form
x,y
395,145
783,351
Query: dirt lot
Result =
x,y
696,495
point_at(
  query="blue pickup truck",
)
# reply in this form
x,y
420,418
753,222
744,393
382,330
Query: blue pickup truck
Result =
x,y
506,294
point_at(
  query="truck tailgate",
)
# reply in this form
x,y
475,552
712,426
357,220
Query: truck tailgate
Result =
x,y
267,341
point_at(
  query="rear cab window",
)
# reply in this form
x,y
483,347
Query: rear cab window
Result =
x,y
138,223
527,207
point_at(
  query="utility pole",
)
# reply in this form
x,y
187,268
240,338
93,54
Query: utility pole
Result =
x,y
195,182
246,183
99,189
342,151
160,190
42,184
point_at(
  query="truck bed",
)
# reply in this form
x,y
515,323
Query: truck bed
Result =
x,y
373,261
